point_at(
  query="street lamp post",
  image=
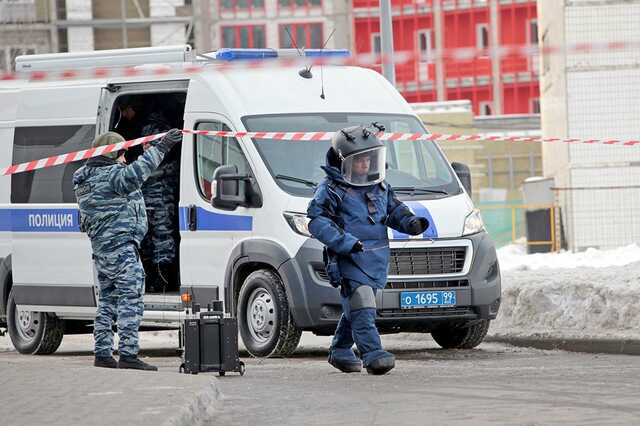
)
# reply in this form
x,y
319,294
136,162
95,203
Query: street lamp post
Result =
x,y
386,41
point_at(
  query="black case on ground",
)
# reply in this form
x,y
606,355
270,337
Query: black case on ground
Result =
x,y
211,344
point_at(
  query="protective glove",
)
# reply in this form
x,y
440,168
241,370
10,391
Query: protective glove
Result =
x,y
417,225
357,247
167,142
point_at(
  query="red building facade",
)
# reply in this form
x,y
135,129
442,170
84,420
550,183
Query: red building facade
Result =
x,y
507,85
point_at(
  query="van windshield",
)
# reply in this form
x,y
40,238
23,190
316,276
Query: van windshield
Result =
x,y
417,169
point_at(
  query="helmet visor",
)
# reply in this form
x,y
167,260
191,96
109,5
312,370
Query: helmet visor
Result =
x,y
365,167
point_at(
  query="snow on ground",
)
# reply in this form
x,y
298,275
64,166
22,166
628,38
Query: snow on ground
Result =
x,y
592,294
514,257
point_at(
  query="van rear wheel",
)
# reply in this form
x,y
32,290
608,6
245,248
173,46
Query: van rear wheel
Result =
x,y
465,337
265,323
37,333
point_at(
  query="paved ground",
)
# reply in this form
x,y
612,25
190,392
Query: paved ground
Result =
x,y
495,384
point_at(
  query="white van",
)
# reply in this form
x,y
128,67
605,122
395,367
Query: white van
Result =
x,y
248,244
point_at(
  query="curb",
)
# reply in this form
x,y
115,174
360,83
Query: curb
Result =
x,y
593,346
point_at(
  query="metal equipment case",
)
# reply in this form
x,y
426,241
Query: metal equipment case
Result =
x,y
211,343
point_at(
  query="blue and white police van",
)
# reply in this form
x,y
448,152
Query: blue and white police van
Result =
x,y
246,242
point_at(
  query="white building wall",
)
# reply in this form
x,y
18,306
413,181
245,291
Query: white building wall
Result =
x,y
166,34
593,95
79,39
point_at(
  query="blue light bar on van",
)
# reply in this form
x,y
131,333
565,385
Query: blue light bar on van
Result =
x,y
336,53
228,54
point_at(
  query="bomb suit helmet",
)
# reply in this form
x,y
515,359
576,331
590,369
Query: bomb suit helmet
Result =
x,y
362,155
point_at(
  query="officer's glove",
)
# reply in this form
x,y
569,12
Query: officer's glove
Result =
x,y
417,225
357,247
167,142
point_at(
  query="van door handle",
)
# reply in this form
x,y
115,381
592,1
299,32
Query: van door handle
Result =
x,y
192,217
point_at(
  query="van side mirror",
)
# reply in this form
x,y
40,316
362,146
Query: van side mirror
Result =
x,y
228,188
464,174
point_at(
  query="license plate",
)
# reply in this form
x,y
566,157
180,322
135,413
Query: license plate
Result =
x,y
427,299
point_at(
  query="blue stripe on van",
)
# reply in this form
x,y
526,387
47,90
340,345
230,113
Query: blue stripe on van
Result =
x,y
66,220
211,221
39,220
419,210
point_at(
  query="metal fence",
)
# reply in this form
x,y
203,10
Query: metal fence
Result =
x,y
539,229
602,217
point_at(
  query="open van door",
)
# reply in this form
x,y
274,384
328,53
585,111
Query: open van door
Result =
x,y
148,96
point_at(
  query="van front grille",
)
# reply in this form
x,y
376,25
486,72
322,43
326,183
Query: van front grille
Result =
x,y
422,261
427,260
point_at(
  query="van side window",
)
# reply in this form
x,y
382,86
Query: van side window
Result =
x,y
213,152
53,184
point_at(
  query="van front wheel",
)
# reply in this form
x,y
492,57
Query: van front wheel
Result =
x,y
466,337
37,333
265,323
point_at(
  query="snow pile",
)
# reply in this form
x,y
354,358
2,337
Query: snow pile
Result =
x,y
592,294
514,257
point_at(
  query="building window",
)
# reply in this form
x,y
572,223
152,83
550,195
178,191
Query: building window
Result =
x,y
299,3
425,45
241,4
376,43
482,36
485,108
308,36
533,31
251,36
535,106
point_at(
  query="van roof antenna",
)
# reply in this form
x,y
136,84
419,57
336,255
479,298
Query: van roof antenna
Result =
x,y
306,72
293,42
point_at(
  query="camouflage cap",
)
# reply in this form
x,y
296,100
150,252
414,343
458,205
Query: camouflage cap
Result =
x,y
108,138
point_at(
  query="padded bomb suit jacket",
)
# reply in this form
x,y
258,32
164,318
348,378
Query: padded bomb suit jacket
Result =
x,y
342,214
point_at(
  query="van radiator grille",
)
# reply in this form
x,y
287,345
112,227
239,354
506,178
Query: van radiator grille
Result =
x,y
427,260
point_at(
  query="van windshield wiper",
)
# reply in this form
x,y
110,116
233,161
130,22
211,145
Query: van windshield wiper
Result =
x,y
296,179
414,190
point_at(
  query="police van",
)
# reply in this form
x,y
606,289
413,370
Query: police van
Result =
x,y
242,227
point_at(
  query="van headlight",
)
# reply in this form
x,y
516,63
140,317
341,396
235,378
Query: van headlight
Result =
x,y
299,222
473,223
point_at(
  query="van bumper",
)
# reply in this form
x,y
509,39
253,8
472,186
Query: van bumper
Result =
x,y
315,305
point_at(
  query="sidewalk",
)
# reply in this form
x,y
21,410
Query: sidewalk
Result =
x,y
68,390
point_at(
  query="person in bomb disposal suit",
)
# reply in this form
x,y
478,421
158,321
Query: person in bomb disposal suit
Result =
x,y
350,213
112,213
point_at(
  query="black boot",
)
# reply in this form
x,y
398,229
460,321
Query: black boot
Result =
x,y
346,366
135,363
105,362
381,365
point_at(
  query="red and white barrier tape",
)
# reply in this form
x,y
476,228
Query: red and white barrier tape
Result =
x,y
365,60
293,136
